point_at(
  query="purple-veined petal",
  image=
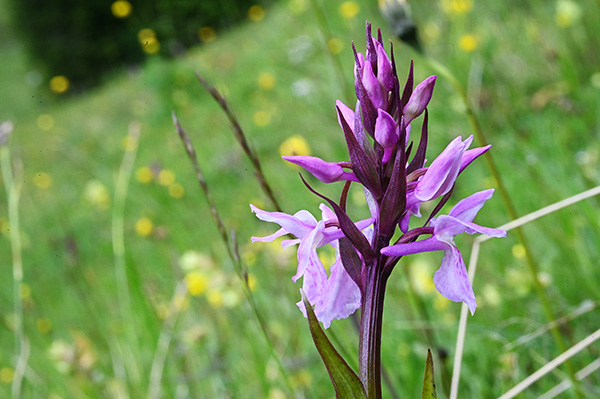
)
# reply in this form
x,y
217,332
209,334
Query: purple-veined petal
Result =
x,y
442,173
340,298
409,248
327,172
419,99
451,279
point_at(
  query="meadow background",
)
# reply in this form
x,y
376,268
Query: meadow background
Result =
x,y
532,73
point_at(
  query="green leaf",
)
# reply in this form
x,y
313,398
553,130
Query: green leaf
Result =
x,y
428,382
346,383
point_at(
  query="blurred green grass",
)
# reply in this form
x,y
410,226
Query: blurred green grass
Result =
x,y
536,85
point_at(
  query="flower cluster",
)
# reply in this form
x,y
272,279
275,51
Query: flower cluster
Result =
x,y
396,181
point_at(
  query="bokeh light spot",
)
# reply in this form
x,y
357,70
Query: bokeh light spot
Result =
x,y
45,122
261,118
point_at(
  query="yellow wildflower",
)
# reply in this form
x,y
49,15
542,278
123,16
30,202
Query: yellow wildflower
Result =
x,y
467,43
295,145
148,40
196,283
166,177
6,375
144,227
518,251
207,34
121,8
42,180
144,174
44,325
59,84
256,13
457,7
266,81
349,9
215,298
567,13
176,190
335,45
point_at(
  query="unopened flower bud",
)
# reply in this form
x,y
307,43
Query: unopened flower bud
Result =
x,y
419,99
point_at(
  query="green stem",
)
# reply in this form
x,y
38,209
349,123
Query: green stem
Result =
x,y
371,318
531,262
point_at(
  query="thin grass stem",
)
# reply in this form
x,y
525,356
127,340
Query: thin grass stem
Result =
x,y
460,340
164,340
13,191
531,261
551,365
118,244
240,136
566,384
230,243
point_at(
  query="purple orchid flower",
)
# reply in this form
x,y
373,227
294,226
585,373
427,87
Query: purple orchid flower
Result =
x,y
390,168
451,279
336,296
